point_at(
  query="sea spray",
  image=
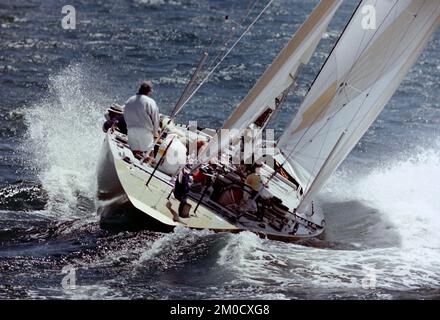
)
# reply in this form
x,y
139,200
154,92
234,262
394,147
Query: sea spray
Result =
x,y
64,137
404,193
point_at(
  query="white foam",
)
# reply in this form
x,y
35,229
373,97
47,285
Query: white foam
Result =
x,y
180,239
405,192
64,136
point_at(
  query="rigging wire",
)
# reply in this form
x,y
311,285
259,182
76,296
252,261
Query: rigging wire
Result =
x,y
328,57
249,9
342,82
227,53
318,74
367,94
228,38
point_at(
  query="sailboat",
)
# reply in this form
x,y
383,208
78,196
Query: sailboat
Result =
x,y
363,70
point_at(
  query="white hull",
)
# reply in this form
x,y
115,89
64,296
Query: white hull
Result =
x,y
122,190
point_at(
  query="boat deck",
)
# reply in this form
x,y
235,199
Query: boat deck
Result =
x,y
205,213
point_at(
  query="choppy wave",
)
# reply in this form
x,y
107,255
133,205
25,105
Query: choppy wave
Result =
x,y
381,220
22,196
404,193
387,218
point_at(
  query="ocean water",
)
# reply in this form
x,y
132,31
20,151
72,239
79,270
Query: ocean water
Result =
x,y
382,205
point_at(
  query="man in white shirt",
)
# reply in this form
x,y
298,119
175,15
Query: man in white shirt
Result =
x,y
142,117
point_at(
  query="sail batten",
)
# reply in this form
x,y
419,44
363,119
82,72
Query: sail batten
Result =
x,y
359,77
279,76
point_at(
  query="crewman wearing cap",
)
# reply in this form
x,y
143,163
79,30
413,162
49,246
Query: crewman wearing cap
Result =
x,y
142,117
115,118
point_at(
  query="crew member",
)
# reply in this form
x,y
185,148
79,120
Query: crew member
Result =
x,y
142,117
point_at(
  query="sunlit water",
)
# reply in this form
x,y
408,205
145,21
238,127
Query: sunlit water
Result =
x,y
382,206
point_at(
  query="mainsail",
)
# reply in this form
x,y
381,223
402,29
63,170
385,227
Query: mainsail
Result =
x,y
277,78
359,77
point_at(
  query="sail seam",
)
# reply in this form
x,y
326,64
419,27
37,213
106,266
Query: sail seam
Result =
x,y
385,67
387,62
319,73
343,81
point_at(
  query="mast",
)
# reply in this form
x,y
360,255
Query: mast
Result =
x,y
188,89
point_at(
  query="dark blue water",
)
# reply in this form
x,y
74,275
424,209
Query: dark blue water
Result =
x,y
382,206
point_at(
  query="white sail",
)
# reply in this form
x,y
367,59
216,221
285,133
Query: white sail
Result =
x,y
278,77
361,74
